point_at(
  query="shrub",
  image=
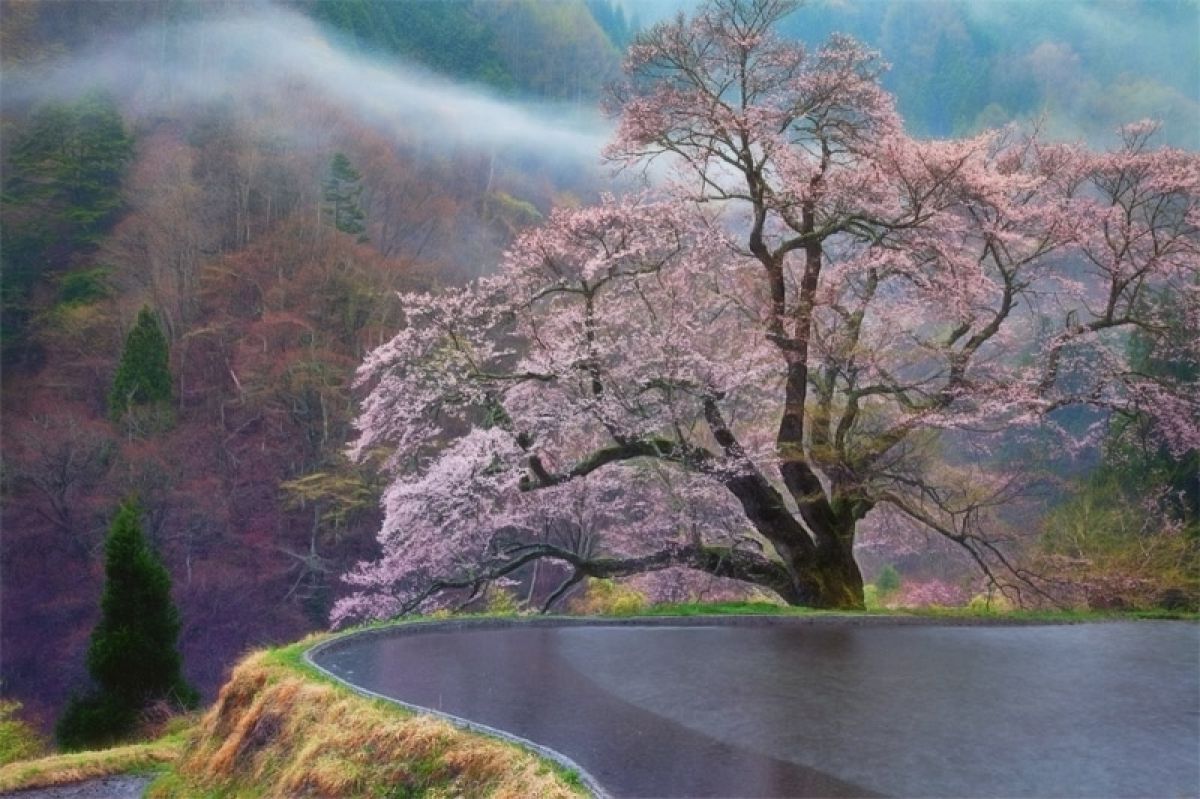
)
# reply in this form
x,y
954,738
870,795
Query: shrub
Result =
x,y
94,721
888,579
18,740
1120,554
990,602
608,598
502,602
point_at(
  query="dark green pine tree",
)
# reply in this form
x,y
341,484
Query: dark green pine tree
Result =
x,y
341,192
144,374
132,656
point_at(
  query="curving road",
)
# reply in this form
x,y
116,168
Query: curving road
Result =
x,y
824,707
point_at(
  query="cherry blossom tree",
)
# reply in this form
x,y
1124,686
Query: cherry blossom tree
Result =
x,y
730,372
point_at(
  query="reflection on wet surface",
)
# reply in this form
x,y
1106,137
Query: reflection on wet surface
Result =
x,y
823,710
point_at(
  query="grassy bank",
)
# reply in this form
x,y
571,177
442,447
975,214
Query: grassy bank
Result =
x,y
78,766
280,729
766,608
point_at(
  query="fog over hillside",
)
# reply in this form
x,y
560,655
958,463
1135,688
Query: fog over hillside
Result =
x,y
253,52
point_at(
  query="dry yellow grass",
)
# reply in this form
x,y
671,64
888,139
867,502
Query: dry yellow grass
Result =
x,y
77,766
277,732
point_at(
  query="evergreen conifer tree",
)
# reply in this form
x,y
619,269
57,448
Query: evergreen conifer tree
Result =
x,y
341,192
144,375
132,656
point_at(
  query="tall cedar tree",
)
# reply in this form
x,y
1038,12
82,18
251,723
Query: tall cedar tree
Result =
x,y
144,375
342,190
132,656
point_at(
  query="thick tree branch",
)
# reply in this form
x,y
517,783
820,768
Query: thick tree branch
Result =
x,y
736,564
660,448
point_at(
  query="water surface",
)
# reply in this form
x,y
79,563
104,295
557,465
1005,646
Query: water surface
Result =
x,y
824,709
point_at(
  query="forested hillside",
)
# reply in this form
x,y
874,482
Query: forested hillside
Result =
x,y
255,182
265,222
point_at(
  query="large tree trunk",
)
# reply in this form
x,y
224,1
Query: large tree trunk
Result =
x,y
819,561
825,577
832,580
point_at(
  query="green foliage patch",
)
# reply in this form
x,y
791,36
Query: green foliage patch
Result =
x,y
85,286
144,374
18,740
888,579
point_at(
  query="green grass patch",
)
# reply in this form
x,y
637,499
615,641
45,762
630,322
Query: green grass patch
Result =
x,y
1067,616
291,656
769,609
570,776
77,766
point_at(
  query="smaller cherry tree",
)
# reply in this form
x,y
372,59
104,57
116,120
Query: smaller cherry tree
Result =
x,y
730,374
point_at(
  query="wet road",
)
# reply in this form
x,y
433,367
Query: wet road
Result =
x,y
822,709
